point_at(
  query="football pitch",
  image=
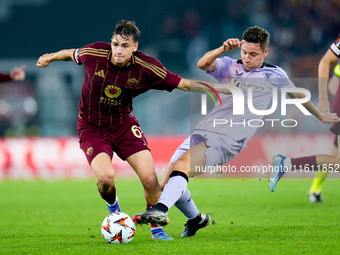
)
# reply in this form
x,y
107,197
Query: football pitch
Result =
x,y
64,217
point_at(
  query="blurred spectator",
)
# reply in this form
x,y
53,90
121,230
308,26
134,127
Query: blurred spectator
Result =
x,y
16,74
18,106
171,46
191,24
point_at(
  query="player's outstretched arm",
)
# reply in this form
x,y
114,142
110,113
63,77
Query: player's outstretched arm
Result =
x,y
46,59
199,86
323,117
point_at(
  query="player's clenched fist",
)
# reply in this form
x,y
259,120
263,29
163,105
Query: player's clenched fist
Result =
x,y
231,44
44,60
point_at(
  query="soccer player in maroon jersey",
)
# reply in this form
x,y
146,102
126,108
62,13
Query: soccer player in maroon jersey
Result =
x,y
114,74
16,74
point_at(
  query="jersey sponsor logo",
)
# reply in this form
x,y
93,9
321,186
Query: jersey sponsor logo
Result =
x,y
100,73
110,101
251,86
112,91
132,82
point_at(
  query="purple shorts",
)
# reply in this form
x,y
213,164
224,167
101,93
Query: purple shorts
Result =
x,y
125,140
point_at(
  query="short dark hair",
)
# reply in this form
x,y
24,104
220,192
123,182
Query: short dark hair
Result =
x,y
126,29
257,35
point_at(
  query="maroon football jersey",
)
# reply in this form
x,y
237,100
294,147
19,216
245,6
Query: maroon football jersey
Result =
x,y
108,90
4,77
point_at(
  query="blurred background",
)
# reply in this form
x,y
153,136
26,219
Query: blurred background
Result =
x,y
176,32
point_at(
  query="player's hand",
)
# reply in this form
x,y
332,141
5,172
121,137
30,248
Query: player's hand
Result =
x,y
162,184
323,106
231,44
18,73
44,60
164,180
329,118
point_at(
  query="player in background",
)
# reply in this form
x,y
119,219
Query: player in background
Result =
x,y
16,74
215,145
316,162
115,73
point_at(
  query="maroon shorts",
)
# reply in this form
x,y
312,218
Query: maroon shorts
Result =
x,y
125,140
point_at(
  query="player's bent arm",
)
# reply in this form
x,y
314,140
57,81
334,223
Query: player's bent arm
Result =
x,y
64,55
323,73
199,86
208,61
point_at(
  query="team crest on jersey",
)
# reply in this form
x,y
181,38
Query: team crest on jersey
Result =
x,y
267,74
89,151
112,91
132,82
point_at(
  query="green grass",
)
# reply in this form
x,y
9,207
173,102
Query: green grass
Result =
x,y
64,217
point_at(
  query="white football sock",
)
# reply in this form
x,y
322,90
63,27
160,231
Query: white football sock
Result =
x,y
173,190
187,206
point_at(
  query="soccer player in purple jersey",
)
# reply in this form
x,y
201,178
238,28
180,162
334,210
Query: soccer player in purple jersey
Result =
x,y
16,74
114,74
211,145
320,163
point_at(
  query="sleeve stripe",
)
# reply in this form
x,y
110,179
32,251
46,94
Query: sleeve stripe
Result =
x,y
157,70
93,52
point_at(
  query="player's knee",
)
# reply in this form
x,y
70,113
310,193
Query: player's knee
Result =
x,y
106,179
150,182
